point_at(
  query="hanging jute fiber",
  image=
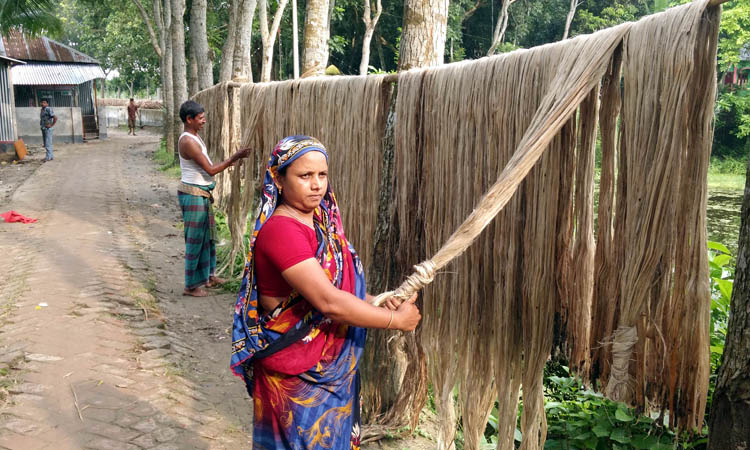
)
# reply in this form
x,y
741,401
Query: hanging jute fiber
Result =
x,y
494,177
347,114
450,133
221,135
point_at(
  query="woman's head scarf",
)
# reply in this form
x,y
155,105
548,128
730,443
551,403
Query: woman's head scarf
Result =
x,y
250,338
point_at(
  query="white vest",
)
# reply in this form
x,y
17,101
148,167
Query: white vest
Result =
x,y
192,173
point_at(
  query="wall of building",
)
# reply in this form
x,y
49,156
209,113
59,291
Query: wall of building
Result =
x,y
118,116
102,122
7,127
69,127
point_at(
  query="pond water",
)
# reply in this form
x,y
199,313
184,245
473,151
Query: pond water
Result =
x,y
723,217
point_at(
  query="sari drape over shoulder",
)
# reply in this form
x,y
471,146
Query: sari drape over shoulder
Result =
x,y
301,368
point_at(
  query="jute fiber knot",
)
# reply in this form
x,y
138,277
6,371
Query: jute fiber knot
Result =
x,y
423,275
620,386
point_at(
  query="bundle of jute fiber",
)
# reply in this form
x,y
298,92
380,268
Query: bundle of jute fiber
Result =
x,y
555,207
347,114
221,135
662,297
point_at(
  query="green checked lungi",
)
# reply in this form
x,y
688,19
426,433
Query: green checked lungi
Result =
x,y
200,248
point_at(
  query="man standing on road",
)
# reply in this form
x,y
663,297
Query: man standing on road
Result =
x,y
194,193
47,120
132,110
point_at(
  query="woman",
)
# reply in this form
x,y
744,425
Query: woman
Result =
x,y
300,316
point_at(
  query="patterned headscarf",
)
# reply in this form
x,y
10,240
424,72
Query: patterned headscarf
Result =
x,y
251,339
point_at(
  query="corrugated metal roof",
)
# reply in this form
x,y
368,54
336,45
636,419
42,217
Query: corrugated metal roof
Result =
x,y
19,46
11,60
48,74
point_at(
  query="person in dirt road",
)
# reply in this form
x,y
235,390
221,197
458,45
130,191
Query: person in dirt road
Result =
x,y
47,120
194,194
132,113
301,313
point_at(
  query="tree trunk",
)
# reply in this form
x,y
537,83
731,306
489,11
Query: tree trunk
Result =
x,y
315,54
729,420
165,14
379,46
242,69
568,20
162,21
199,42
193,82
500,27
423,39
370,24
227,51
295,40
179,67
269,36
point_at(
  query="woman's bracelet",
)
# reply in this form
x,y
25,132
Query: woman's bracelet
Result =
x,y
390,321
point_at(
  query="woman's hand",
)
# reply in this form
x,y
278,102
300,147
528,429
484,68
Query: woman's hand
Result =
x,y
407,316
393,303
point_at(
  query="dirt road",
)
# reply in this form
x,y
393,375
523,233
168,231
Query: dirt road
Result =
x,y
98,347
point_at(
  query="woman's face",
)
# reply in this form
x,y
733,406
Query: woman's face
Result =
x,y
305,181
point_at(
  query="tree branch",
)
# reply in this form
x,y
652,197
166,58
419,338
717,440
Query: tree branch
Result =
x,y
470,12
150,27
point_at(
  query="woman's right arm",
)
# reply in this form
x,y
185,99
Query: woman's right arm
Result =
x,y
308,278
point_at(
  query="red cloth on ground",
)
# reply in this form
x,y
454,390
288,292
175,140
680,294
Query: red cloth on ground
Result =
x,y
281,243
12,216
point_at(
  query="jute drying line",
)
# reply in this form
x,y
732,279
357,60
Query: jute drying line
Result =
x,y
532,146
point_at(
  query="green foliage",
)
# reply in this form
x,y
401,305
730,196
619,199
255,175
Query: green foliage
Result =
x,y
113,33
591,421
166,160
588,21
720,262
224,249
728,165
33,17
660,5
734,32
732,131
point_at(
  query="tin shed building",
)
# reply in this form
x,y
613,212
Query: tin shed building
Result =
x,y
63,76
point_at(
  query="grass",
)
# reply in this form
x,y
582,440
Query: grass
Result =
x,y
166,161
726,181
727,173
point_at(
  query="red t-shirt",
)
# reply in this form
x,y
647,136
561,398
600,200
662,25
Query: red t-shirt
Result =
x,y
281,243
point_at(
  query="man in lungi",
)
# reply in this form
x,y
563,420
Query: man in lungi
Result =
x,y
194,193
